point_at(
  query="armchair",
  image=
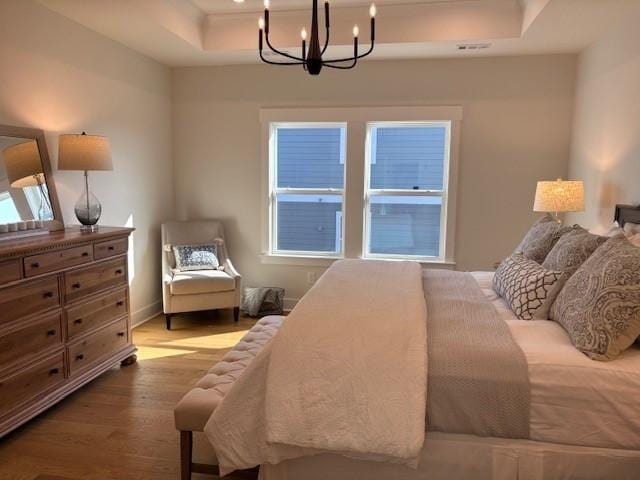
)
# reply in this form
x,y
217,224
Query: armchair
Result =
x,y
202,289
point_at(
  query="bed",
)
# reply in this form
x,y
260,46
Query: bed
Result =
x,y
582,416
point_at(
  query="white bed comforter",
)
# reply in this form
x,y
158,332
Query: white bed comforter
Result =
x,y
321,386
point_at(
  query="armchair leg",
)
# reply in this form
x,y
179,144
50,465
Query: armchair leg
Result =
x,y
167,319
186,448
236,314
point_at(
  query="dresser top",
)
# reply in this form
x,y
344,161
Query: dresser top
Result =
x,y
63,238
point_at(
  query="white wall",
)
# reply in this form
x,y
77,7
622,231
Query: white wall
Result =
x,y
516,130
606,133
62,78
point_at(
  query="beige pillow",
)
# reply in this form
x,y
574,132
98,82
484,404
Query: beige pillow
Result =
x,y
631,229
635,240
541,238
572,250
528,288
599,306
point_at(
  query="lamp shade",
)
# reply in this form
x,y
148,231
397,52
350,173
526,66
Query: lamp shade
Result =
x,y
84,152
559,196
23,165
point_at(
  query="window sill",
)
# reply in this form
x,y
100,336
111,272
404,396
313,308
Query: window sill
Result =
x,y
307,261
321,261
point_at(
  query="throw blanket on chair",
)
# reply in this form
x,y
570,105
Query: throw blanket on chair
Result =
x,y
345,374
478,375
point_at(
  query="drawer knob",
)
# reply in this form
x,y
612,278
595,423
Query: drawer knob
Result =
x,y
119,271
51,332
121,334
76,285
54,371
48,295
111,248
85,254
119,303
77,321
35,265
80,357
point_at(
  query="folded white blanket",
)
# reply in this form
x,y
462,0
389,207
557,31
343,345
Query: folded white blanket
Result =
x,y
345,374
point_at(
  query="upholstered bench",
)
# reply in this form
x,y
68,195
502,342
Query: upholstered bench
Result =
x,y
195,408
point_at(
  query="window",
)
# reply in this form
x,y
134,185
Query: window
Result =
x,y
393,197
405,194
307,170
8,210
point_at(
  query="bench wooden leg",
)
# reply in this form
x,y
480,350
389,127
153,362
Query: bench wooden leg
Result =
x,y
236,314
167,319
186,452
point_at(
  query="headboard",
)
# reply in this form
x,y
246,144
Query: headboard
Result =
x,y
627,213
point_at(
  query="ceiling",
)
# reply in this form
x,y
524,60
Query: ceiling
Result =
x,y
229,6
219,32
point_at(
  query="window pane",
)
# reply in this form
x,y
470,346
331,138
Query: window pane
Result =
x,y
310,158
408,157
405,225
309,223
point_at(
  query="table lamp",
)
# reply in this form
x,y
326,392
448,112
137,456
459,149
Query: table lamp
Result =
x,y
559,196
85,153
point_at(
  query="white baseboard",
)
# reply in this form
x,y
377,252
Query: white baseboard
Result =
x,y
145,314
289,303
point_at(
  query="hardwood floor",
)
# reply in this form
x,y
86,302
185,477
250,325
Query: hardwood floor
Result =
x,y
120,426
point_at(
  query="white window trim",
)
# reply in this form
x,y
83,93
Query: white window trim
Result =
x,y
274,190
356,119
377,192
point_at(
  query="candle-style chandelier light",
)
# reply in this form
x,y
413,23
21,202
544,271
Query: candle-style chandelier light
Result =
x,y
312,60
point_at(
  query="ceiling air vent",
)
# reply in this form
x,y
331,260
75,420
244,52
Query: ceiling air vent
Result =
x,y
473,46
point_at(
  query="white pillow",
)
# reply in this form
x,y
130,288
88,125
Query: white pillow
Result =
x,y
631,229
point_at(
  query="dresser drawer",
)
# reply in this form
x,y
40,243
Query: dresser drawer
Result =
x,y
79,283
10,271
29,383
32,338
110,248
27,298
101,344
58,260
93,314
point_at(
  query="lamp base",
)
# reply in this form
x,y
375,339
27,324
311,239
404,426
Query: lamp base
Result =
x,y
88,228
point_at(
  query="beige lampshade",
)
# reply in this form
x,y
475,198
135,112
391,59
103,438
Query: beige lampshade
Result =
x,y
559,196
84,152
23,165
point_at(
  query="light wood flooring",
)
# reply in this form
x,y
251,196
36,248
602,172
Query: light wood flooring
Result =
x,y
120,426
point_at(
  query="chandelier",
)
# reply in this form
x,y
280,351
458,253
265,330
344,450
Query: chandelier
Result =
x,y
311,59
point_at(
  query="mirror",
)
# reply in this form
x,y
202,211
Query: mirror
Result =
x,y
28,201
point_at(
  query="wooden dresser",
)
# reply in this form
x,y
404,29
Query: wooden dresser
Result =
x,y
64,317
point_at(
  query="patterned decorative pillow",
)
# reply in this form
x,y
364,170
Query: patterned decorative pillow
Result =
x,y
599,306
541,238
572,250
529,288
196,257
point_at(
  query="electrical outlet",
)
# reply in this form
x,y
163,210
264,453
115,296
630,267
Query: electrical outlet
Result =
x,y
312,277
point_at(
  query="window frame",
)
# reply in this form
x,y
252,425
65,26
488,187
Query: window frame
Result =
x,y
370,153
274,190
356,119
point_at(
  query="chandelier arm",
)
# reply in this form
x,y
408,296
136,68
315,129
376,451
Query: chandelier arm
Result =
x,y
349,59
284,54
342,67
279,63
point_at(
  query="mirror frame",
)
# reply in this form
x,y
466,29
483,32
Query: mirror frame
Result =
x,y
38,135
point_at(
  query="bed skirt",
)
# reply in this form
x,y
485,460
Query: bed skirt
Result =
x,y
462,457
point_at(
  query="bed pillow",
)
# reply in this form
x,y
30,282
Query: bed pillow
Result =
x,y
631,229
541,238
528,287
599,306
196,257
572,249
635,240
